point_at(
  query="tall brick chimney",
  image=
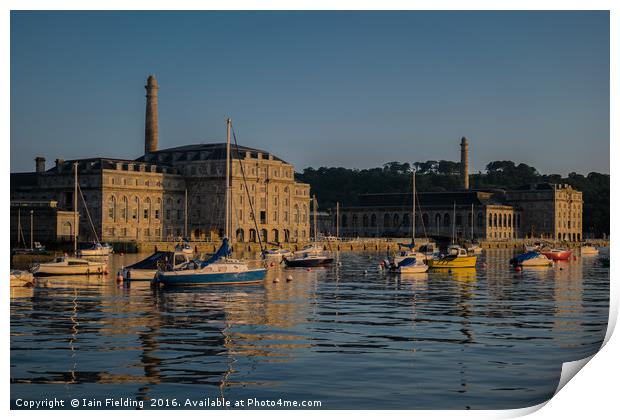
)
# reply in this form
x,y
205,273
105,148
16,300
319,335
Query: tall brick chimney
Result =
x,y
465,163
151,134
40,164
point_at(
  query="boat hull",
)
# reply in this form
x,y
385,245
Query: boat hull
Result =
x,y
557,255
49,270
421,268
453,262
139,274
313,262
194,278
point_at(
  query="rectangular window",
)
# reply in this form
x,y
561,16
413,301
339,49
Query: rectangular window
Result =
x,y
134,214
146,213
263,217
275,216
157,213
167,214
286,216
179,215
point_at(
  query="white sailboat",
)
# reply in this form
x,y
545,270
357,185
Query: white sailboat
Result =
x,y
219,268
66,265
409,260
311,255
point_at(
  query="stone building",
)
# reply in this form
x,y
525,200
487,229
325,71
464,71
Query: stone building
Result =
x,y
548,211
440,215
552,211
40,221
179,191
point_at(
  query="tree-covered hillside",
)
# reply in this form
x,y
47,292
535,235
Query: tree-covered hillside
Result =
x,y
344,185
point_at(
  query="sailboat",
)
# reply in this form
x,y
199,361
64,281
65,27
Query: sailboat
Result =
x,y
311,255
66,265
457,256
474,248
408,260
35,247
220,268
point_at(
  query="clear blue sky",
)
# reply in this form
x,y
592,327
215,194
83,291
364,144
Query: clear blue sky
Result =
x,y
352,89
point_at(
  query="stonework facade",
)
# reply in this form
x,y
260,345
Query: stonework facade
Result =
x,y
551,211
437,215
175,192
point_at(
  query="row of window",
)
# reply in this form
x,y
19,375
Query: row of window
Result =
x,y
121,212
133,182
395,220
134,233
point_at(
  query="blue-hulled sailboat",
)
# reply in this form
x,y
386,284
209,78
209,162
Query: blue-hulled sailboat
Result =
x,y
220,268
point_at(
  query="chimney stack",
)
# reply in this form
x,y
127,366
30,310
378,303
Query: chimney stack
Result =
x,y
151,134
40,164
465,163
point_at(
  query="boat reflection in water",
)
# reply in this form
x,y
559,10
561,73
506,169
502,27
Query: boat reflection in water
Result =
x,y
481,338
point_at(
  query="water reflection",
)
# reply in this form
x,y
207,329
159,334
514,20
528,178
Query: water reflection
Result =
x,y
489,337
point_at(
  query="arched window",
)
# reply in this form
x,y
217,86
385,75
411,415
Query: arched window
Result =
x,y
304,214
437,220
490,220
386,220
112,208
495,220
396,221
446,219
147,208
425,219
263,234
240,235
459,219
252,235
365,220
287,235
373,220
124,209
136,208
275,235
344,220
510,220
504,224
296,212
480,221
67,231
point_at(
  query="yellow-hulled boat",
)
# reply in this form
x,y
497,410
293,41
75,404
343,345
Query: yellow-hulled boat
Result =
x,y
458,258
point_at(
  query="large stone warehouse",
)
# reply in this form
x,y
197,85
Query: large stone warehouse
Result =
x,y
146,198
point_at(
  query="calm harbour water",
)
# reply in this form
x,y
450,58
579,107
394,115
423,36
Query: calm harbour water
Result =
x,y
480,339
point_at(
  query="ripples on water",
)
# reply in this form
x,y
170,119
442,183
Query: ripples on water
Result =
x,y
485,338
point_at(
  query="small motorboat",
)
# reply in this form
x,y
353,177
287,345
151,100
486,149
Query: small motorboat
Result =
x,y
148,268
407,265
70,266
310,256
37,249
184,247
531,259
20,278
276,254
474,249
96,249
457,257
556,253
588,249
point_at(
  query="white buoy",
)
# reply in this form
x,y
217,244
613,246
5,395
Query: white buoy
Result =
x,y
289,278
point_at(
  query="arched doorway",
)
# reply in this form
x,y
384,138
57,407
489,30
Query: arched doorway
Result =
x,y
252,235
275,235
240,235
263,235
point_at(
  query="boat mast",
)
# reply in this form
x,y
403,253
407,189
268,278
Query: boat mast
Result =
x,y
413,222
31,229
75,201
337,220
454,224
19,223
314,214
228,123
472,222
185,223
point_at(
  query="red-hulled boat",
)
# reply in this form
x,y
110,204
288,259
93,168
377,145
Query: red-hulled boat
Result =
x,y
557,254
